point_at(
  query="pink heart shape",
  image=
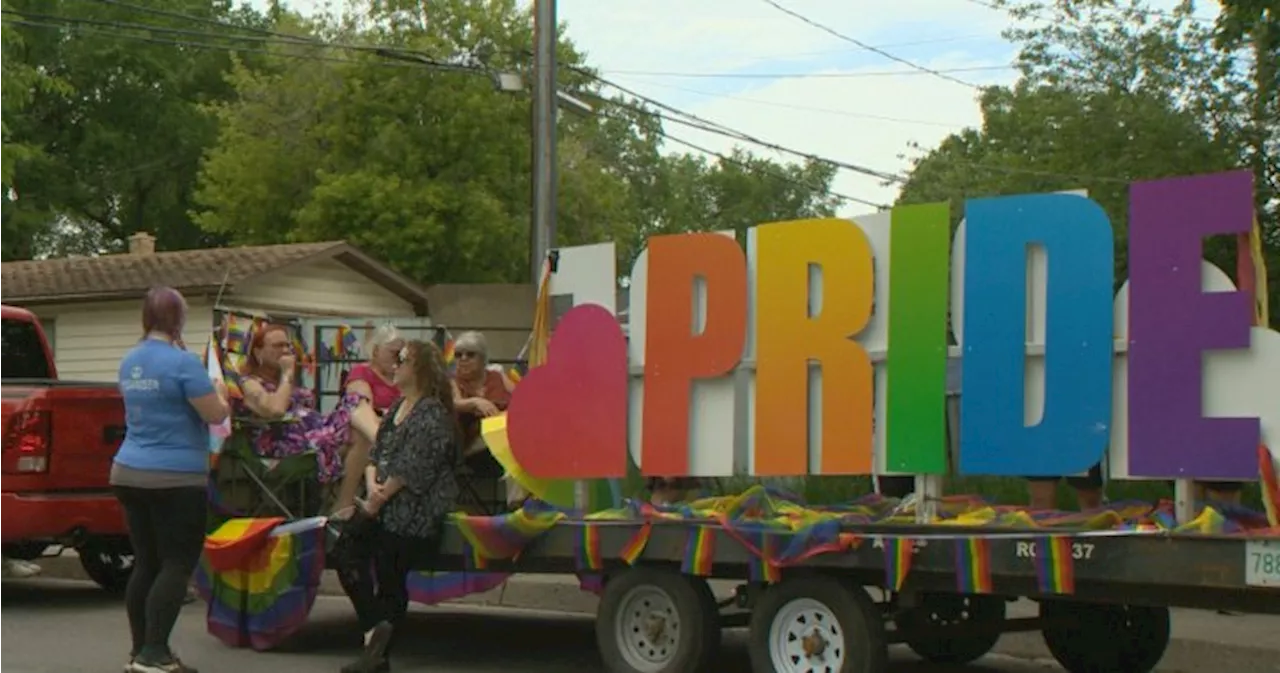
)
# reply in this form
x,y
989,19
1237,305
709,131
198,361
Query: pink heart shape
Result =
x,y
568,418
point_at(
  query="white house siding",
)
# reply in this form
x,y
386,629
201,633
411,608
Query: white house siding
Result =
x,y
90,339
326,288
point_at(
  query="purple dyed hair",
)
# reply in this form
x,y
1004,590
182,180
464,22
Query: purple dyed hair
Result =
x,y
164,311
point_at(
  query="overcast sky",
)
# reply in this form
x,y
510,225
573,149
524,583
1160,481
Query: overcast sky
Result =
x,y
747,65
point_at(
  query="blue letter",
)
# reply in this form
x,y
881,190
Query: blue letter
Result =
x,y
1074,432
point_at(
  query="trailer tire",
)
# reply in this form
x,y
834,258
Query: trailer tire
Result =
x,y
929,629
657,621
109,563
1097,638
801,619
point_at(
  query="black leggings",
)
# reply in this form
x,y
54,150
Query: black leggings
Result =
x,y
374,570
166,529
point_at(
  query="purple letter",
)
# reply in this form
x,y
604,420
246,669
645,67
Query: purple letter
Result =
x,y
1172,321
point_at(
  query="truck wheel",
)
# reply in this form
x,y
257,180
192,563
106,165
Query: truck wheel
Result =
x,y
1096,638
941,628
107,563
817,624
657,621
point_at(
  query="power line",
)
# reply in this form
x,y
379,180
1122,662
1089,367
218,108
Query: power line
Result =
x,y
777,176
411,58
868,47
805,108
809,75
679,116
67,23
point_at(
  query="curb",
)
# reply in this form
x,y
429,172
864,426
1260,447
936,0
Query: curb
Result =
x,y
560,593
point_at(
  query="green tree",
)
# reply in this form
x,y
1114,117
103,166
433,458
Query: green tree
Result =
x,y
122,134
21,82
423,163
1052,138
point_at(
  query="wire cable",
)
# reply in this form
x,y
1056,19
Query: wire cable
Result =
x,y
871,48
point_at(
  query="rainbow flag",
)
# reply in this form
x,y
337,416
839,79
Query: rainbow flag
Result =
x,y
268,595
587,549
1055,569
430,588
897,561
973,566
761,566
1268,469
237,541
635,546
219,432
699,551
504,537
237,331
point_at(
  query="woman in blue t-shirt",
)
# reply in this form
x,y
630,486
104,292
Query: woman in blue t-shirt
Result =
x,y
159,474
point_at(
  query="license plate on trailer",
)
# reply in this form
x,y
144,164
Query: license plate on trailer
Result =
x,y
1262,563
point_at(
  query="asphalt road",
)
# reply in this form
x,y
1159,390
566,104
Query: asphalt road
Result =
x,y
60,626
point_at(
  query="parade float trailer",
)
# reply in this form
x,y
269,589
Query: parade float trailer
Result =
x,y
821,351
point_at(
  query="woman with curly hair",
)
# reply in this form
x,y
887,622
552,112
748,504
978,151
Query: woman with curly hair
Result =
x,y
411,487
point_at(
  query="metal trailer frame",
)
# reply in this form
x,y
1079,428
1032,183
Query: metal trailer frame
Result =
x,y
1117,618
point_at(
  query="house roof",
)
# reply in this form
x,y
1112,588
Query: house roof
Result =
x,y
130,275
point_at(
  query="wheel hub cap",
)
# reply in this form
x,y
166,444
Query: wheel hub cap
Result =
x,y
806,637
648,631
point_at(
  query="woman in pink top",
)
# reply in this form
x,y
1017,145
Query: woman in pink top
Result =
x,y
375,378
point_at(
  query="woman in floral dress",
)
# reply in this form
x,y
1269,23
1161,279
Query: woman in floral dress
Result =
x,y
295,426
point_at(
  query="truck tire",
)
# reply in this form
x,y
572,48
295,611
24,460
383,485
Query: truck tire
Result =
x,y
108,563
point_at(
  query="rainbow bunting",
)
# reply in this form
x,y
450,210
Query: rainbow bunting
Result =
x,y
634,547
897,561
699,551
587,548
1055,569
973,566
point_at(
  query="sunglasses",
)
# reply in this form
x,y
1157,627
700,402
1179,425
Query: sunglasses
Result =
x,y
463,355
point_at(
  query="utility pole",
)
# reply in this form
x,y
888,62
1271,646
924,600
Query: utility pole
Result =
x,y
545,106
543,232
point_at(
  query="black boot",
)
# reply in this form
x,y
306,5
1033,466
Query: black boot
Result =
x,y
374,657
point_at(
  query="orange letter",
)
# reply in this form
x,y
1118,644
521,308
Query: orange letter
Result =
x,y
801,320
676,350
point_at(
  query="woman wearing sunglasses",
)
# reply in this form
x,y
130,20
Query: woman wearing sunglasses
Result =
x,y
411,486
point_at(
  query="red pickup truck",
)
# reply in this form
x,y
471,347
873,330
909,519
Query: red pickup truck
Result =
x,y
59,438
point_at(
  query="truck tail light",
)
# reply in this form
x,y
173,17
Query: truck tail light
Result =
x,y
27,441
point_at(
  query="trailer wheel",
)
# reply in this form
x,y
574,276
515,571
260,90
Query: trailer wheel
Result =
x,y
657,621
817,624
1095,638
108,563
933,629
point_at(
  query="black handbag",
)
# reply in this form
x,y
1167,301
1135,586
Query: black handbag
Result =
x,y
350,539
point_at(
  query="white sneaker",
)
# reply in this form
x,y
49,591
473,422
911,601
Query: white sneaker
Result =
x,y
16,569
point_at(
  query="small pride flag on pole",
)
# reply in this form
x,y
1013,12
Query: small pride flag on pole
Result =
x,y
213,363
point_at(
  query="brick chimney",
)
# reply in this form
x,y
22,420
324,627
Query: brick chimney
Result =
x,y
142,243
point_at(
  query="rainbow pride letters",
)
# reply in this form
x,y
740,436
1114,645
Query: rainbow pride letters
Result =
x,y
823,348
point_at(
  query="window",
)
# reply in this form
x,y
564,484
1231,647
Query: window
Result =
x,y
22,352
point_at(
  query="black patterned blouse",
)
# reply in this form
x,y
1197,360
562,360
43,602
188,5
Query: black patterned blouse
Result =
x,y
422,451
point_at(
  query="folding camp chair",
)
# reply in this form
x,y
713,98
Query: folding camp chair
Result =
x,y
480,487
255,486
